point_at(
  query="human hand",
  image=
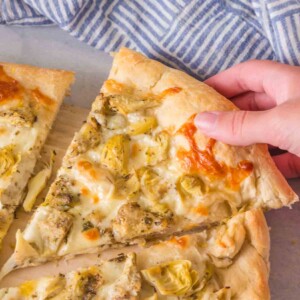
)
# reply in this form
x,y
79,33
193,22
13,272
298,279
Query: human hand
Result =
x,y
268,94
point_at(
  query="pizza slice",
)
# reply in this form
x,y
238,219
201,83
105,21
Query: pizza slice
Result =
x,y
115,279
29,100
139,170
227,262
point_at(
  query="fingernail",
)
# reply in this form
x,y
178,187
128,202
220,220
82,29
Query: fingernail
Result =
x,y
207,120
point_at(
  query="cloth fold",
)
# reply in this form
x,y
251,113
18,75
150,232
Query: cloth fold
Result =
x,y
201,37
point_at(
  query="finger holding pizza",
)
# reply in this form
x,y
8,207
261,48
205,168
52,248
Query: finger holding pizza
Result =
x,y
269,98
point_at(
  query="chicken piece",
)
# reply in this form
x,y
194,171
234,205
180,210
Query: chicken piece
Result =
x,y
132,221
55,228
20,116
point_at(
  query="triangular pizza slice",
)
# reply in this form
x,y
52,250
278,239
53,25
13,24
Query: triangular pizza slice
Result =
x,y
139,170
225,263
30,98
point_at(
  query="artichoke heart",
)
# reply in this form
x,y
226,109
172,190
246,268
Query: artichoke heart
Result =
x,y
37,183
151,184
159,152
115,153
190,185
143,126
127,185
8,160
128,103
55,287
172,278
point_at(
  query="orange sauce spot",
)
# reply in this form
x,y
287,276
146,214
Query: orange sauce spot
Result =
x,y
92,234
201,210
170,91
9,87
84,165
42,99
203,161
95,199
222,244
87,167
3,130
183,241
85,191
93,174
135,148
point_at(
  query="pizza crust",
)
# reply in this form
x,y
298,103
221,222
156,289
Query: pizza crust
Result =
x,y
134,69
52,83
249,273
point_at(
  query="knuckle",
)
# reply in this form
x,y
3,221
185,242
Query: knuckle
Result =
x,y
238,123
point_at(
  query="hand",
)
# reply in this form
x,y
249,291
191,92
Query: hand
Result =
x,y
268,94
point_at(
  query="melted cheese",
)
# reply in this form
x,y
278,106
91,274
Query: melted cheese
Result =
x,y
24,139
97,180
32,232
76,240
111,273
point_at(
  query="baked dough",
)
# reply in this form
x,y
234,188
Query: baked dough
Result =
x,y
227,262
139,170
235,255
133,69
29,100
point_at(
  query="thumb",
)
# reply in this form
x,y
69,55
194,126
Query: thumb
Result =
x,y
240,128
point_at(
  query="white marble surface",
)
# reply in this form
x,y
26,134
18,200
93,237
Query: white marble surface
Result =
x,y
51,47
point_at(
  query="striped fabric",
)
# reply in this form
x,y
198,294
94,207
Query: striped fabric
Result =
x,y
201,37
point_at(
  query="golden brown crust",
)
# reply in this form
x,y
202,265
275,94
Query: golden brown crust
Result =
x,y
258,232
134,69
248,276
250,271
52,83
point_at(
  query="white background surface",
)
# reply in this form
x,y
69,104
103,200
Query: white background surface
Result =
x,y
51,47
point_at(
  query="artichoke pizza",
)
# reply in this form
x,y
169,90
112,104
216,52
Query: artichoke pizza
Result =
x,y
29,100
202,266
140,172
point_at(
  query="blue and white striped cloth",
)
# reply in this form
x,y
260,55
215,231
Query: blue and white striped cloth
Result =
x,y
201,37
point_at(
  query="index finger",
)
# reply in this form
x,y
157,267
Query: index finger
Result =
x,y
262,76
